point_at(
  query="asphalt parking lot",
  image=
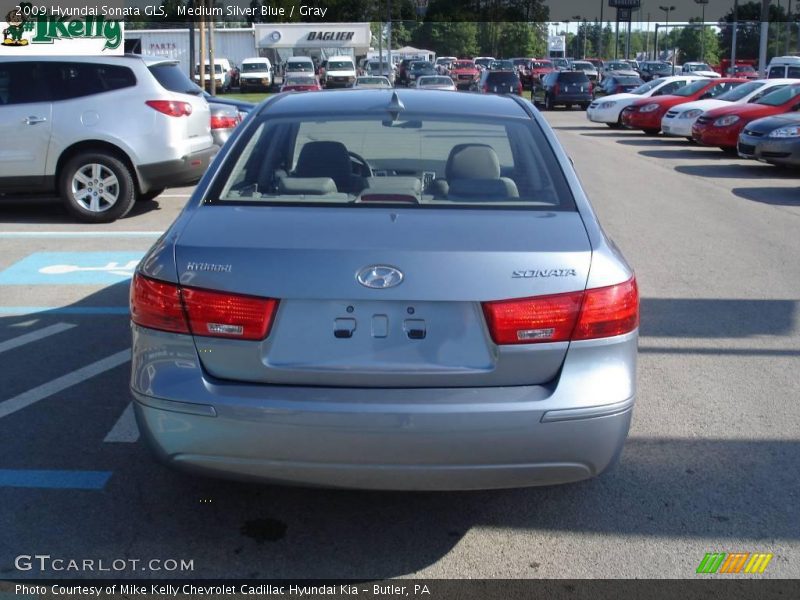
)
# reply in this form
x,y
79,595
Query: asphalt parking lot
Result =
x,y
711,463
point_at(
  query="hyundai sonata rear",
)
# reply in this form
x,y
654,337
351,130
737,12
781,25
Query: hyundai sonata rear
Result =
x,y
387,290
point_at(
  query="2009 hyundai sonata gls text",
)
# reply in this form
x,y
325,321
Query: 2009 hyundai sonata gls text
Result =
x,y
392,290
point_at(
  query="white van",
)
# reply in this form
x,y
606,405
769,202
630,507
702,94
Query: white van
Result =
x,y
782,67
340,71
255,74
299,65
222,75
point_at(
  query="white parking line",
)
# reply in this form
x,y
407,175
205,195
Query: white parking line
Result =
x,y
175,196
125,429
34,336
78,234
25,399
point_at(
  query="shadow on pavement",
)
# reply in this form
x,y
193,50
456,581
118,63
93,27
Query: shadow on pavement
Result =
x,y
690,152
741,169
654,140
777,196
50,210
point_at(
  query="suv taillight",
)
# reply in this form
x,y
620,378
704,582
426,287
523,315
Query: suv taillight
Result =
x,y
556,88
594,313
173,108
170,307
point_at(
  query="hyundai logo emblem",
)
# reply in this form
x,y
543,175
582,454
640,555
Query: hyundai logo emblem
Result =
x,y
379,277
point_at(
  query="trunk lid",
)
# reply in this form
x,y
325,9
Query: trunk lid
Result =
x,y
428,331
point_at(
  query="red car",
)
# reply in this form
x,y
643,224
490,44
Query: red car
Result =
x,y
540,67
463,73
301,83
646,114
721,126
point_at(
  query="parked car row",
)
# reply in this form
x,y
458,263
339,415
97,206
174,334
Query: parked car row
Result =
x,y
756,119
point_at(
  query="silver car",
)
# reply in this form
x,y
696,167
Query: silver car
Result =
x,y
388,290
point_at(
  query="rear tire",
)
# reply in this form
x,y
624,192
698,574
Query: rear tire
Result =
x,y
96,187
548,102
615,125
584,106
729,151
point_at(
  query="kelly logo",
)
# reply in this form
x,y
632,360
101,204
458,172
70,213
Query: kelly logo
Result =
x,y
734,563
26,25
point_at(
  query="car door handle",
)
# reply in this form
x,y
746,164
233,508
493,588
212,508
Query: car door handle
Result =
x,y
34,120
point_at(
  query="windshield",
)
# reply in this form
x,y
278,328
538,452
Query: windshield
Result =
x,y
691,88
740,91
583,66
339,65
542,64
643,89
382,81
251,67
618,66
300,81
628,80
373,66
782,96
689,68
299,66
463,65
745,69
501,64
441,162
435,81
418,66
217,69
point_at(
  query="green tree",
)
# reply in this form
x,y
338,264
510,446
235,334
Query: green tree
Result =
x,y
453,38
748,34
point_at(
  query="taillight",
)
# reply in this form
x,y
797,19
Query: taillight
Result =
x,y
594,313
609,311
169,307
220,314
173,108
590,87
157,305
519,88
532,320
223,122
486,87
556,88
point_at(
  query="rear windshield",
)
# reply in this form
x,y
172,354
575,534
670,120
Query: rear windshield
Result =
x,y
417,66
172,78
463,65
300,81
541,64
782,96
583,66
502,77
442,162
572,77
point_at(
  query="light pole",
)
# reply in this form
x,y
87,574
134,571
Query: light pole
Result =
x,y
566,37
667,10
577,19
703,29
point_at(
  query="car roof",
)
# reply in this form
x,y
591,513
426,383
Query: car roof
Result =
x,y
355,102
255,59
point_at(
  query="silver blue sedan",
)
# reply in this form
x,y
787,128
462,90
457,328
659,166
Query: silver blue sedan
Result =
x,y
387,289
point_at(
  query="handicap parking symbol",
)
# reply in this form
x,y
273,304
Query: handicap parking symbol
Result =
x,y
72,268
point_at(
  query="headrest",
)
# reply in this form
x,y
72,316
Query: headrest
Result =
x,y
318,186
472,161
317,158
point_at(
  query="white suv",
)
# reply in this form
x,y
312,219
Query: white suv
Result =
x,y
100,131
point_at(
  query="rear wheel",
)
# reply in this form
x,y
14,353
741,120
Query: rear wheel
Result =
x,y
96,187
548,102
568,106
614,125
726,150
584,106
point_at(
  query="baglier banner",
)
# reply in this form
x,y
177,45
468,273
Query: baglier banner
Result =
x,y
29,32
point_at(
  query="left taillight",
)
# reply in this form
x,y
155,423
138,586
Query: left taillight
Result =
x,y
590,314
170,307
224,122
172,108
157,305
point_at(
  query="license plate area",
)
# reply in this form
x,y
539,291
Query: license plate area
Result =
x,y
367,336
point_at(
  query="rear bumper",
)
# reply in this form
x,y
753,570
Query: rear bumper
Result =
x,y
583,98
401,439
181,171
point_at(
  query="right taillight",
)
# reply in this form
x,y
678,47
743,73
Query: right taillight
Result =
x,y
223,122
608,311
170,307
593,313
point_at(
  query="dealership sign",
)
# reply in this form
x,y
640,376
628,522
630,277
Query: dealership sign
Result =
x,y
555,43
330,36
28,31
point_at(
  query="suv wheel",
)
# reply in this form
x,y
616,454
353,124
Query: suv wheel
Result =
x,y
548,102
96,187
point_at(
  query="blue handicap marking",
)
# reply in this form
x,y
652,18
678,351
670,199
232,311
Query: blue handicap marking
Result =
x,y
55,268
